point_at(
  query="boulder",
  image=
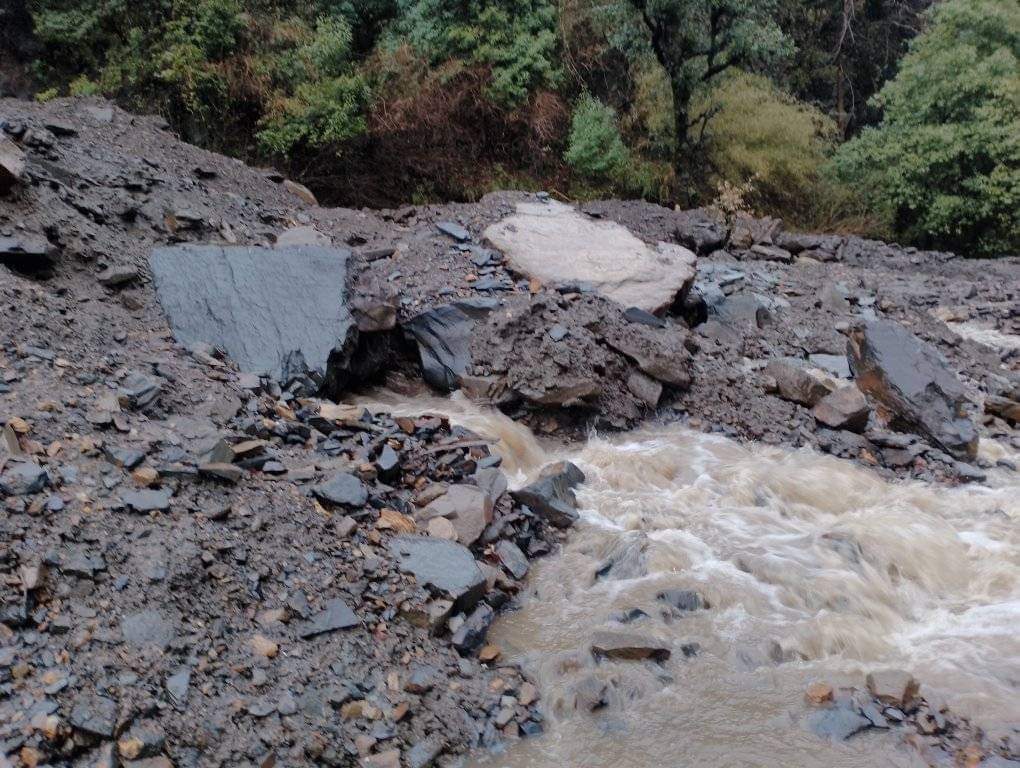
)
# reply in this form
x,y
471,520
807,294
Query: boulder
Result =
x,y
265,306
556,244
12,164
551,496
342,489
467,507
445,566
846,408
914,385
747,231
798,382
443,335
700,230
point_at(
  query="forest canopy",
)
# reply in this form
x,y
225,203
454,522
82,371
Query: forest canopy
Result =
x,y
882,114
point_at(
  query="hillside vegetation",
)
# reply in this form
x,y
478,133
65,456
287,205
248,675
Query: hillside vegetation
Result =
x,y
882,116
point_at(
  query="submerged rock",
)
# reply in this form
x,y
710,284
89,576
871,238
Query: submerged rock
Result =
x,y
263,306
628,646
914,383
556,244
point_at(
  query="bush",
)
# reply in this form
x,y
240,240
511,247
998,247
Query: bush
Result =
x,y
595,149
944,165
765,142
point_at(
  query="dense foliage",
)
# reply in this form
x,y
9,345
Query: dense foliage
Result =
x,y
944,164
387,101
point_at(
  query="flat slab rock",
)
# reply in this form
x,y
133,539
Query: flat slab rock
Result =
x,y
556,244
444,565
262,305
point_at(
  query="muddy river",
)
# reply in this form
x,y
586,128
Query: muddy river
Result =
x,y
813,568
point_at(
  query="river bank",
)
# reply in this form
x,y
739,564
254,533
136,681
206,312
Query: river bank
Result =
x,y
202,566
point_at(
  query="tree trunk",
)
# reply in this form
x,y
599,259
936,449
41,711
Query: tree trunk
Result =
x,y
682,151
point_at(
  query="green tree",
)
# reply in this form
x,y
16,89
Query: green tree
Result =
x,y
595,148
944,164
696,41
516,39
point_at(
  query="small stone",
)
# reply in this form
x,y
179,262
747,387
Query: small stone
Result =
x,y
388,759
114,277
489,653
177,686
893,687
454,230
425,752
145,476
263,646
335,615
441,528
147,500
230,473
343,489
95,715
819,693
527,695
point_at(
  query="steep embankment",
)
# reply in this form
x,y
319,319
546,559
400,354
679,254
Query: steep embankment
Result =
x,y
199,562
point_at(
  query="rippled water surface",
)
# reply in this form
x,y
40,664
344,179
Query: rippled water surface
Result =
x,y
815,569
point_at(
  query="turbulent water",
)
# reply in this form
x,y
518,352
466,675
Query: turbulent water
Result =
x,y
815,569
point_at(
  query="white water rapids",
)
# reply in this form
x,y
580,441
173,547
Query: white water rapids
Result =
x,y
815,569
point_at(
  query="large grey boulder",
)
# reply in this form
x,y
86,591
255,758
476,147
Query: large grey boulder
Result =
x,y
913,383
267,307
557,244
445,566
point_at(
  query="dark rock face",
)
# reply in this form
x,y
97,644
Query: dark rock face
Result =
x,y
26,253
552,495
262,305
443,335
912,380
443,565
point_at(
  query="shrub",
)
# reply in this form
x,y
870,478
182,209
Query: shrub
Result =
x,y
768,144
944,165
595,149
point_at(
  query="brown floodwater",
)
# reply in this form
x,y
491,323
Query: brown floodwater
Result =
x,y
815,569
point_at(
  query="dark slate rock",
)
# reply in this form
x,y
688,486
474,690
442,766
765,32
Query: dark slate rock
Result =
x,y
344,489
454,230
177,687
26,253
138,390
511,558
147,628
471,634
147,500
261,305
443,335
914,382
336,614
683,600
95,715
837,723
21,478
552,495
443,565
643,317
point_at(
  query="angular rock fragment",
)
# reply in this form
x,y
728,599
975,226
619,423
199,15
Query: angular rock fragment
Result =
x,y
343,489
837,723
147,500
95,715
471,633
798,382
894,688
913,382
26,253
21,478
336,614
445,566
263,306
12,164
846,408
467,507
552,496
556,244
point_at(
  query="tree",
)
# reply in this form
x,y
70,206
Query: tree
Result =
x,y
696,41
944,164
